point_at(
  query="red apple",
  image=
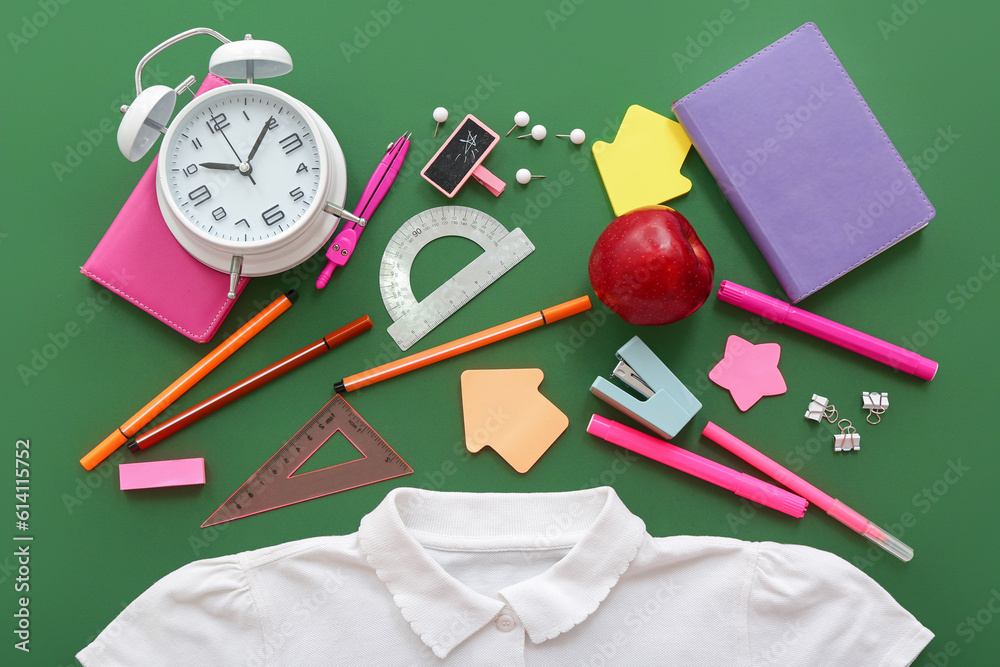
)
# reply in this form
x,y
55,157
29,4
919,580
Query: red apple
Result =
x,y
650,267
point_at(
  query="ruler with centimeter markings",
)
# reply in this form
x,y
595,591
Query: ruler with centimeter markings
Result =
x,y
412,320
276,484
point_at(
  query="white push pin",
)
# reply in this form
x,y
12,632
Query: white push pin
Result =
x,y
537,133
577,136
521,119
524,176
440,115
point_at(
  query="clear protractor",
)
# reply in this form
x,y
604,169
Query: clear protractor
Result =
x,y
501,251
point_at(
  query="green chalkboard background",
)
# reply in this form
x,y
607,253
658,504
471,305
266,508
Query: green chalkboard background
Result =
x,y
77,361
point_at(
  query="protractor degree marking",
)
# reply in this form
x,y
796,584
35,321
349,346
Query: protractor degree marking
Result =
x,y
415,320
420,230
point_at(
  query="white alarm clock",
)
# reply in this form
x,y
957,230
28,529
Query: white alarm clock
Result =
x,y
249,179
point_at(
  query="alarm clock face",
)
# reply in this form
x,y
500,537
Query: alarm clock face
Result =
x,y
243,167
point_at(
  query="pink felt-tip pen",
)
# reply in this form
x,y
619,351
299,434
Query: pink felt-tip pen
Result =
x,y
784,313
342,246
831,506
702,468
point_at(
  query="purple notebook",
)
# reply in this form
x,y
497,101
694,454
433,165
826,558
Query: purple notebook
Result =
x,y
803,162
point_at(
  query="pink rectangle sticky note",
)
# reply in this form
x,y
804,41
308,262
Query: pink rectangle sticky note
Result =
x,y
155,474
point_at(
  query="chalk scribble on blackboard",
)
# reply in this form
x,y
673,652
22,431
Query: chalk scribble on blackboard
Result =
x,y
469,154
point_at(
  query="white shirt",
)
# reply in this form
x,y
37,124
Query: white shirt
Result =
x,y
553,579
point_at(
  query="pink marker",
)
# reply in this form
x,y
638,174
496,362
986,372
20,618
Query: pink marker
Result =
x,y
831,506
702,468
828,330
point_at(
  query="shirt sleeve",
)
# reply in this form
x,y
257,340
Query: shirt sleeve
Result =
x,y
201,614
809,607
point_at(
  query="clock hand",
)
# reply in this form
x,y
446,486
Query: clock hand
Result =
x,y
260,137
243,170
223,133
218,165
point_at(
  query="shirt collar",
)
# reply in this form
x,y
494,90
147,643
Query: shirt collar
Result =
x,y
602,536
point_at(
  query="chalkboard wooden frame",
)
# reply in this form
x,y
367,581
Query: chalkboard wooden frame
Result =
x,y
461,156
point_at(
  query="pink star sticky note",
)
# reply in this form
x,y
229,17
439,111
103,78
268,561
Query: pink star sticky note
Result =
x,y
749,371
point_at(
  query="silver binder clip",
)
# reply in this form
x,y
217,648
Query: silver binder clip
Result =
x,y
848,439
667,406
876,403
820,408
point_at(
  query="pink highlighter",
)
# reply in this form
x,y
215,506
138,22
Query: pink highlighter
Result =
x,y
828,330
702,468
831,506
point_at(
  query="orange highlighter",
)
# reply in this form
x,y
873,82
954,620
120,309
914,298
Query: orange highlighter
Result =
x,y
456,347
166,397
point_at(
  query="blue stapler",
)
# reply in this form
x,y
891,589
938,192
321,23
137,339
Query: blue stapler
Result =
x,y
668,405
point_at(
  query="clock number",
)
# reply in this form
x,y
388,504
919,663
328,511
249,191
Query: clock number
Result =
x,y
273,215
291,143
297,194
217,123
196,143
302,167
246,116
219,213
190,170
200,195
243,221
272,124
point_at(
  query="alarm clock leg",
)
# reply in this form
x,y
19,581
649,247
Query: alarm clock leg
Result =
x,y
234,275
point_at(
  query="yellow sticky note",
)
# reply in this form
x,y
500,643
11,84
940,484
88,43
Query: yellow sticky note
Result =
x,y
504,410
642,166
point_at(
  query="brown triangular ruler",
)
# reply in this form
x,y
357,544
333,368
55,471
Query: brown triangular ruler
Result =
x,y
276,484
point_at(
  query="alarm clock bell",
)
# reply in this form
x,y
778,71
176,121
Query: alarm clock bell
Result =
x,y
277,235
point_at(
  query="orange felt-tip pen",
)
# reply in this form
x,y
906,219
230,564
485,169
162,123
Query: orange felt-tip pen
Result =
x,y
150,437
163,400
466,344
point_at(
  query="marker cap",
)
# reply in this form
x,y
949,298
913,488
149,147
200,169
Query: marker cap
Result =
x,y
870,531
753,301
926,369
103,450
564,310
887,541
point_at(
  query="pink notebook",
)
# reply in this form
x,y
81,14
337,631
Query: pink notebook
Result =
x,y
141,261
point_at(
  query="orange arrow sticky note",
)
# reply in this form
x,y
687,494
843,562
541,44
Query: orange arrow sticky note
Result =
x,y
504,410
643,164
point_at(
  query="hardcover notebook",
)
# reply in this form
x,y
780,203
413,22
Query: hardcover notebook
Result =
x,y
140,260
803,162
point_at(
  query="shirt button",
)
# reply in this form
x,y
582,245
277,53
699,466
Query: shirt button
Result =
x,y
505,623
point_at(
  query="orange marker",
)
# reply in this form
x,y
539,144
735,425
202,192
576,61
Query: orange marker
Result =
x,y
188,380
456,347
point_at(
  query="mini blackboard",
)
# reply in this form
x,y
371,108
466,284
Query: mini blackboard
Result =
x,y
460,155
